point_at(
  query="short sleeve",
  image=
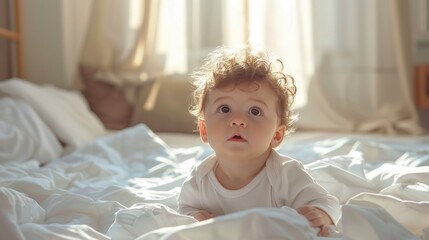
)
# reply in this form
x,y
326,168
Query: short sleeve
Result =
x,y
304,190
189,202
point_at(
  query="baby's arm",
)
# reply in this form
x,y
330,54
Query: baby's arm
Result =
x,y
317,218
310,199
189,203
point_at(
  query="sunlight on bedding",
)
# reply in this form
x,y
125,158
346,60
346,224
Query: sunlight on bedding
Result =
x,y
125,184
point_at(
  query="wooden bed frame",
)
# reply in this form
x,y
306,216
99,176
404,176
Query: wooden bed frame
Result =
x,y
422,86
16,36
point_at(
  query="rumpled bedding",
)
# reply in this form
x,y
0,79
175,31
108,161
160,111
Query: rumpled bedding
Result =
x,y
125,186
24,135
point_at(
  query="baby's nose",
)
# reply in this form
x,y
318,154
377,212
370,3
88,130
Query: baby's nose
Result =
x,y
238,121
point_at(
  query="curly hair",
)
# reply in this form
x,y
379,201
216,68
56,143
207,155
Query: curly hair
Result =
x,y
225,67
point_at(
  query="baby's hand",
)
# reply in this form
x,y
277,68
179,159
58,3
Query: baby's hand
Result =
x,y
203,215
317,218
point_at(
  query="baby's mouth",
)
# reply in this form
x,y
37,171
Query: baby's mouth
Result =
x,y
237,138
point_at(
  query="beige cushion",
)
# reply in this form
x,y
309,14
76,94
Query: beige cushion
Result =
x,y
106,101
163,104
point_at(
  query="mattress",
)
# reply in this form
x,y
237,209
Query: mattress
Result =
x,y
63,181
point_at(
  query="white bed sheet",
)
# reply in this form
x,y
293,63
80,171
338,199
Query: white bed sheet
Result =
x,y
125,186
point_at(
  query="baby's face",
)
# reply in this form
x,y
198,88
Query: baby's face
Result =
x,y
241,122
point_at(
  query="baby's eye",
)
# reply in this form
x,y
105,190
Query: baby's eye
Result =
x,y
223,109
255,111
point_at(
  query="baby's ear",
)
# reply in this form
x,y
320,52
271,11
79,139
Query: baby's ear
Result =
x,y
278,136
203,131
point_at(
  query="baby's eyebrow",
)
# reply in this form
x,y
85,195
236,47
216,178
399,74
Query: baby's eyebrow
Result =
x,y
259,101
219,99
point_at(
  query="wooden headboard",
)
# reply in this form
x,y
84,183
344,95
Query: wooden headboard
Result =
x,y
13,32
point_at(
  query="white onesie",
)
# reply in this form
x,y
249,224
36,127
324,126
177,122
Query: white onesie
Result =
x,y
283,182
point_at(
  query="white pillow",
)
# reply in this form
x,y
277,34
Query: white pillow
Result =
x,y
65,112
23,135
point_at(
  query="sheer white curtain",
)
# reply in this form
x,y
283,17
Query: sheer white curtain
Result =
x,y
351,59
130,41
363,79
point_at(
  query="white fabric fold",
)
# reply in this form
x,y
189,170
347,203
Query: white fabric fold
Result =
x,y
125,186
23,135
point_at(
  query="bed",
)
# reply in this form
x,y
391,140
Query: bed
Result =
x,y
64,176
71,171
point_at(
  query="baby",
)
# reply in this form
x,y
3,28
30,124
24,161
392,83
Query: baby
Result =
x,y
244,111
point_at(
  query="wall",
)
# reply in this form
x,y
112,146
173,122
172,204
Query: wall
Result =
x,y
54,31
4,43
420,28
